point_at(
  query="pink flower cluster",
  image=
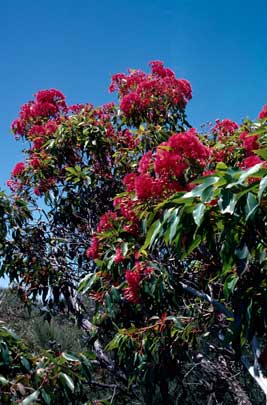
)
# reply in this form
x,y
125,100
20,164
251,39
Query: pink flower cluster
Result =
x,y
150,96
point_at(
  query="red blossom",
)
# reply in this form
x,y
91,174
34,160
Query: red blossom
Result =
x,y
106,221
44,110
145,162
37,143
35,162
129,181
263,112
18,169
133,278
251,161
225,127
150,96
52,96
188,145
37,191
92,252
147,187
132,229
250,142
118,256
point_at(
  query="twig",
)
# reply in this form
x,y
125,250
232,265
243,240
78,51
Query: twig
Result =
x,y
200,294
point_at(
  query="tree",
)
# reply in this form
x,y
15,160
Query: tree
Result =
x,y
177,222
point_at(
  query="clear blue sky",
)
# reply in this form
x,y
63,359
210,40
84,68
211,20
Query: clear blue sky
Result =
x,y
75,46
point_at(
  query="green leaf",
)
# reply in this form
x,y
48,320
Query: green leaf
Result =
x,y
25,363
242,253
70,357
87,282
221,166
5,353
198,213
198,190
229,285
207,194
262,187
227,202
152,234
124,249
4,331
173,227
29,400
46,397
3,380
67,381
191,246
250,172
251,206
262,153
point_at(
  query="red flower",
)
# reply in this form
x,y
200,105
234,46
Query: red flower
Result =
x,y
35,162
133,278
151,96
18,169
147,187
92,252
250,143
251,161
263,112
128,181
52,96
119,256
188,145
106,221
224,128
145,163
44,109
14,185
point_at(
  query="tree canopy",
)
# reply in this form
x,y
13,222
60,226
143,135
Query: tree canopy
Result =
x,y
161,226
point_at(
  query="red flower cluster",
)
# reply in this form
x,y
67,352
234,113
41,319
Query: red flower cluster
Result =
x,y
47,104
150,96
263,112
118,256
250,142
131,293
251,161
106,221
145,187
92,252
18,169
163,173
224,128
133,278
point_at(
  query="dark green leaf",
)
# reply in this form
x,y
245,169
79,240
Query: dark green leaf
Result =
x,y
198,213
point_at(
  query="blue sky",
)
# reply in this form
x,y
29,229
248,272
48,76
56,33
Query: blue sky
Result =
x,y
75,46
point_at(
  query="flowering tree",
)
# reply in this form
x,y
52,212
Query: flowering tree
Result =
x,y
163,228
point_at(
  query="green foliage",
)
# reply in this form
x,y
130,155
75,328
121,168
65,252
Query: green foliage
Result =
x,y
50,379
178,251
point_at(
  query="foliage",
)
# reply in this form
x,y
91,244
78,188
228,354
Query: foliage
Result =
x,y
46,377
177,222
